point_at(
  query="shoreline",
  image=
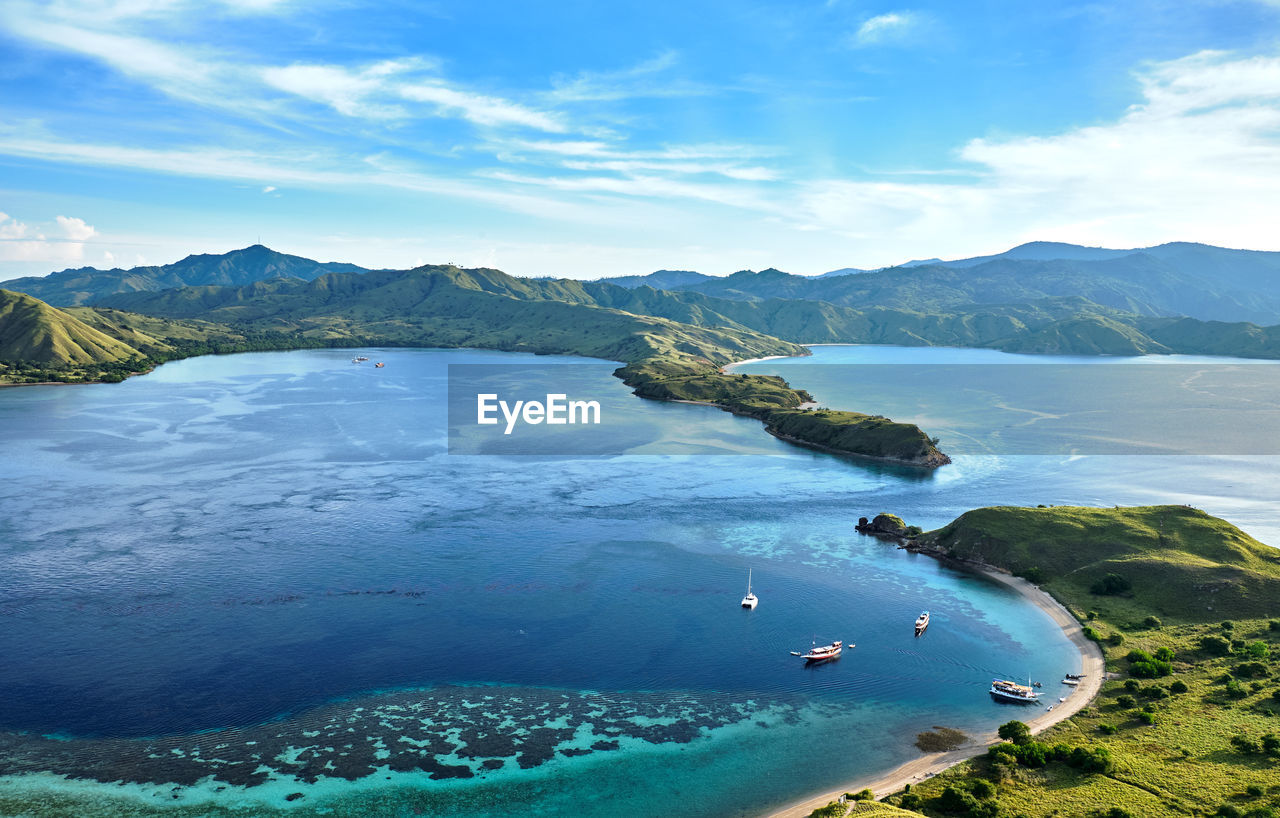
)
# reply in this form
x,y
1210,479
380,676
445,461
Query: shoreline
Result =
x,y
928,765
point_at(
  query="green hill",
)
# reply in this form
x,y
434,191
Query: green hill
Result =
x,y
1177,562
85,285
32,331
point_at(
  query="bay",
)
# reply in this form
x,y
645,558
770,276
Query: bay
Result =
x,y
244,579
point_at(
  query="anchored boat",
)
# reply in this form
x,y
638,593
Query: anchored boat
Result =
x,y
821,654
922,622
1006,691
749,601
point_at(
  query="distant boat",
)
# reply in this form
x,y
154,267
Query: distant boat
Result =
x,y
379,365
1070,681
1006,691
821,654
922,622
750,600
360,358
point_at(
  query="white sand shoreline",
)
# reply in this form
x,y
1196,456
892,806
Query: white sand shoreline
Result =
x,y
929,765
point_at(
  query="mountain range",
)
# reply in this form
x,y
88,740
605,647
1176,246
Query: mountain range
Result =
x,y
1040,298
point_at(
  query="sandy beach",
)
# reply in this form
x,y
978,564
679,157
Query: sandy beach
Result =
x,y
930,764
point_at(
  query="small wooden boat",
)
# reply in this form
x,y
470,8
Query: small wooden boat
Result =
x,y
922,622
379,365
823,653
1071,681
1007,691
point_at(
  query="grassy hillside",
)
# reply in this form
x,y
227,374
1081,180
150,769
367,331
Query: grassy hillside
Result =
x,y
35,332
1180,564
1189,721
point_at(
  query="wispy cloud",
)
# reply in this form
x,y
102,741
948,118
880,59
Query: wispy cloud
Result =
x,y
646,79
894,27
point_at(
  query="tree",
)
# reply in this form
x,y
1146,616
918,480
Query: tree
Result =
x,y
1014,731
1110,585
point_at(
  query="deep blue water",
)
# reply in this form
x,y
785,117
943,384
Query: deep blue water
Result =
x,y
262,549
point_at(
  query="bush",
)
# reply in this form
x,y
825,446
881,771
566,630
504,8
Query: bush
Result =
x,y
1110,585
1092,635
1155,692
1147,717
1215,645
954,799
1271,744
982,789
1258,650
1227,811
1125,701
1151,670
1136,655
1165,654
1244,744
1228,625
1253,791
1235,690
1274,625
1108,729
862,795
1152,622
1096,761
1131,685
1116,639
1033,575
1178,687
1250,670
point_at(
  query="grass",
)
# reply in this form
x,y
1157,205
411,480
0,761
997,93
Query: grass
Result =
x,y
1191,746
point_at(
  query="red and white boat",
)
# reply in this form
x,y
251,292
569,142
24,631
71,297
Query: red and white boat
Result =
x,y
823,653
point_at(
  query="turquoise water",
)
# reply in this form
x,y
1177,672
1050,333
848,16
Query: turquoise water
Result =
x,y
261,582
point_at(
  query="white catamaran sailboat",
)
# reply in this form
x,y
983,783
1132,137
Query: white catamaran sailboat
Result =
x,y
749,601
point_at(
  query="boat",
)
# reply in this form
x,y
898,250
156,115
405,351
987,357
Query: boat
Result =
x,y
1076,676
823,653
922,622
750,600
1006,691
1070,681
379,365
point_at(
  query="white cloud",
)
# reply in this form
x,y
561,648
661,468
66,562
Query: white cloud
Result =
x,y
76,229
887,28
11,228
19,242
269,189
1198,160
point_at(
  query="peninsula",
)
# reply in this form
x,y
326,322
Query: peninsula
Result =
x,y
1178,609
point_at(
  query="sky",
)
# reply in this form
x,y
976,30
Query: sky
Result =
x,y
587,139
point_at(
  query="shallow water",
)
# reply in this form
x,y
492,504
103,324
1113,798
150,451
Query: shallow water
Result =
x,y
247,579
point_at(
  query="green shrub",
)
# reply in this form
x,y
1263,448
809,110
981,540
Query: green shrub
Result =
x,y
1258,650
1215,645
1235,690
1250,670
1228,625
1132,685
982,789
1125,701
1253,791
1155,692
1151,622
1274,625
1095,761
1136,655
1092,635
1178,686
1270,744
1147,718
1110,585
1150,670
1165,654
1244,744
1108,729
1116,639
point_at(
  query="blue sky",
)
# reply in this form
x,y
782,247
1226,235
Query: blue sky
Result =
x,y
590,139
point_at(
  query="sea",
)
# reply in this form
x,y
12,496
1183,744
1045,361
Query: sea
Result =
x,y
288,583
